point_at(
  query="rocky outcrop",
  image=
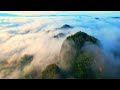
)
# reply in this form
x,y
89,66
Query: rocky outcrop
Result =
x,y
66,26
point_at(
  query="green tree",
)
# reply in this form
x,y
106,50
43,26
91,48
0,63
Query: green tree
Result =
x,y
82,67
80,38
51,72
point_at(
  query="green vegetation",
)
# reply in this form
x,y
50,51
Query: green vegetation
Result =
x,y
51,72
80,38
28,76
82,67
8,70
34,74
26,59
82,63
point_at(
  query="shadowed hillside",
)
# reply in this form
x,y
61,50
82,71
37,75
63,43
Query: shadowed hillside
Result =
x,y
79,61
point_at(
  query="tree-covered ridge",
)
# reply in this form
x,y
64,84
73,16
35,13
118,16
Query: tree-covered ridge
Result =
x,y
82,64
80,38
52,71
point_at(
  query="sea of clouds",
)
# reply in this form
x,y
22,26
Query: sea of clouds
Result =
x,y
35,36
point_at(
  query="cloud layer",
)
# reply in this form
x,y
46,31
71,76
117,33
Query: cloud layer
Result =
x,y
35,36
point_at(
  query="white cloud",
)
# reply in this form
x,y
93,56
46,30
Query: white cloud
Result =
x,y
41,44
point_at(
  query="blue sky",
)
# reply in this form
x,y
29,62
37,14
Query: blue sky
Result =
x,y
33,13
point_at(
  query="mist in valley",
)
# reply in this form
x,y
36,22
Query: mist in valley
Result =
x,y
41,38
